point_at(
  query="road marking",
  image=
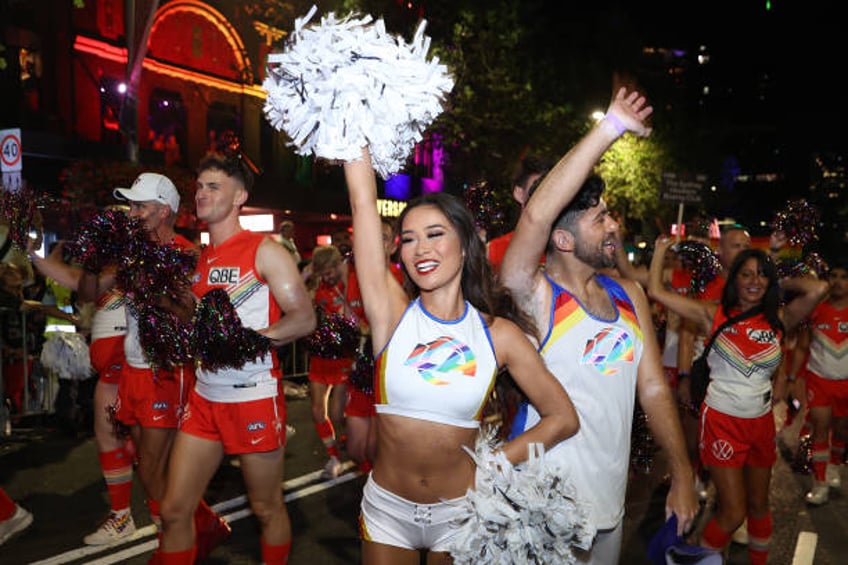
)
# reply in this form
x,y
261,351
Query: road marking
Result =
x,y
298,487
805,548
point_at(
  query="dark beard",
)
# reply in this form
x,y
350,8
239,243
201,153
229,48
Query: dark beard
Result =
x,y
593,256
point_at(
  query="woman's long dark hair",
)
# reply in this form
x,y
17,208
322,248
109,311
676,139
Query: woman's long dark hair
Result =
x,y
771,300
479,285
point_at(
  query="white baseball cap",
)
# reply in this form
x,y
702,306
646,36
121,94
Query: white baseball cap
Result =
x,y
151,187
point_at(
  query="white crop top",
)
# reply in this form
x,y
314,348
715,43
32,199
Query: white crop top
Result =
x,y
436,370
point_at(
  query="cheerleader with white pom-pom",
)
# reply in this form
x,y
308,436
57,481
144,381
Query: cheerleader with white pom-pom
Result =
x,y
436,360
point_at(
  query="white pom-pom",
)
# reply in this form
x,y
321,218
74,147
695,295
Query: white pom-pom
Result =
x,y
66,354
345,83
523,515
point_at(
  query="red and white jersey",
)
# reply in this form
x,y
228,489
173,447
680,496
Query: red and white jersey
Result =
x,y
829,342
231,266
742,361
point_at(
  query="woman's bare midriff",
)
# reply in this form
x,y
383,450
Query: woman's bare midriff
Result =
x,y
423,461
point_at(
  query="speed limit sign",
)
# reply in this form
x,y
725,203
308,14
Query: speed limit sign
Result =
x,y
10,150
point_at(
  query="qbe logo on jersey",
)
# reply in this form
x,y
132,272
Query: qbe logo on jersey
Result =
x,y
10,150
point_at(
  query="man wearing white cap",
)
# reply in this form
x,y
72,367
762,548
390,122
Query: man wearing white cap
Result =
x,y
151,404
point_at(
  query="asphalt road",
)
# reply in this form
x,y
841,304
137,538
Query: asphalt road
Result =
x,y
54,473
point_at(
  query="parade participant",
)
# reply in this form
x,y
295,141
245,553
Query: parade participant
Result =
x,y
437,357
359,412
237,411
599,339
151,399
827,384
115,451
337,294
737,434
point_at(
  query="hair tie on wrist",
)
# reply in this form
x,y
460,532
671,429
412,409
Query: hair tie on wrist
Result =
x,y
616,123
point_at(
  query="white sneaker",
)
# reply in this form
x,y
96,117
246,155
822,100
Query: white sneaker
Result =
x,y
818,495
741,536
15,524
117,526
832,476
332,469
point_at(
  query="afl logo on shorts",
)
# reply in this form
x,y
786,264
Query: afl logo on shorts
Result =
x,y
256,426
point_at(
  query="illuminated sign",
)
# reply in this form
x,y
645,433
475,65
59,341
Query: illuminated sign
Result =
x,y
390,208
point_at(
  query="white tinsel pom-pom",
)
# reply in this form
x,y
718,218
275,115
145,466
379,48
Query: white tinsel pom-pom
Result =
x,y
524,515
345,83
66,355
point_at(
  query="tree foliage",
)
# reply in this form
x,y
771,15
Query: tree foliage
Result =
x,y
632,170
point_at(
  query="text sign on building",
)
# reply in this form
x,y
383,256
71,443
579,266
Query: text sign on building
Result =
x,y
10,150
687,189
390,208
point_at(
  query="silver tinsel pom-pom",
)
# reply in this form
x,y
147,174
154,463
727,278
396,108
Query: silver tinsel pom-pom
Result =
x,y
526,515
345,83
66,354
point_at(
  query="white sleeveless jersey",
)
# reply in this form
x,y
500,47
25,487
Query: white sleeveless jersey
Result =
x,y
436,370
597,362
110,316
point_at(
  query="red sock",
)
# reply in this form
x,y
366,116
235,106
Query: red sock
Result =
x,y
759,531
117,471
7,506
275,554
714,537
328,435
184,557
821,454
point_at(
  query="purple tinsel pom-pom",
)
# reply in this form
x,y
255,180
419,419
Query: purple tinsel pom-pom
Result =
x,y
798,221
700,260
221,339
335,337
